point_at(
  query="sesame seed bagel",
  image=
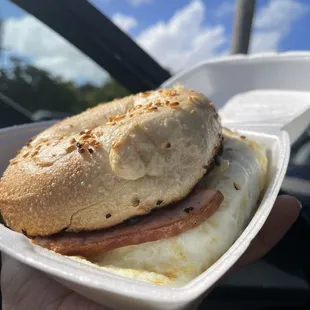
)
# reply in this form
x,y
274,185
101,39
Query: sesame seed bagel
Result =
x,y
110,163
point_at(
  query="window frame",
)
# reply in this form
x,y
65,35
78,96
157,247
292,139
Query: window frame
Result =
x,y
101,40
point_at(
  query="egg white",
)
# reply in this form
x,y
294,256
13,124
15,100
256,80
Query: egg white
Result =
x,y
241,177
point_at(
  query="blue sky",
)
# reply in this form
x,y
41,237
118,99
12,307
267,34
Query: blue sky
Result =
x,y
177,33
152,11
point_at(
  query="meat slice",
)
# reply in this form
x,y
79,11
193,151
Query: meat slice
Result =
x,y
163,223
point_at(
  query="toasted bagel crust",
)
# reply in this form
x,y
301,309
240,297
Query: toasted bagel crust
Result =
x,y
109,163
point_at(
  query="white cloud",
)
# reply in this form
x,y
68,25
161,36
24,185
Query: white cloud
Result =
x,y
273,22
29,37
267,41
183,40
225,8
139,2
279,14
124,22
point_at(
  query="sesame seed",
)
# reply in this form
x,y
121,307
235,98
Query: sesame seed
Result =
x,y
119,117
171,93
135,202
159,202
174,104
243,137
70,148
90,151
116,144
237,186
145,94
99,134
193,99
108,215
72,141
166,145
46,164
189,209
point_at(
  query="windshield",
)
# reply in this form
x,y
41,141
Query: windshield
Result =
x,y
181,33
177,34
43,73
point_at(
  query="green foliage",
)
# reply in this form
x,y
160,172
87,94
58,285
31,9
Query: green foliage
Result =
x,y
36,89
109,91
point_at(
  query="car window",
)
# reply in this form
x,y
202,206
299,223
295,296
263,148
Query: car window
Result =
x,y
302,155
44,73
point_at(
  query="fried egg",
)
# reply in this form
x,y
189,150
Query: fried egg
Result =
x,y
241,176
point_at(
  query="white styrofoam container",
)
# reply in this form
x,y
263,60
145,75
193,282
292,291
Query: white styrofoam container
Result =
x,y
271,90
224,80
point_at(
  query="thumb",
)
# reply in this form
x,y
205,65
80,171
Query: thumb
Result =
x,y
283,215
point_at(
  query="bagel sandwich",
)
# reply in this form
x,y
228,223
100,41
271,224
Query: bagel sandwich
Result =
x,y
149,186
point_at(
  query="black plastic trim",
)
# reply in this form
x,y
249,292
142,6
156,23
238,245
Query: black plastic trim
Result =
x,y
100,39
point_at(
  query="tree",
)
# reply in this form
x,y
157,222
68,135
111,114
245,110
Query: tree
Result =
x,y
36,89
109,91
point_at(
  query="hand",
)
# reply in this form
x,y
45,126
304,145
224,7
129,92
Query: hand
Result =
x,y
26,288
283,215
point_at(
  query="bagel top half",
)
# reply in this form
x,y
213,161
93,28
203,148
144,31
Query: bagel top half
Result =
x,y
110,163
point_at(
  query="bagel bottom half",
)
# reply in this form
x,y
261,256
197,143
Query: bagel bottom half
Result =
x,y
241,177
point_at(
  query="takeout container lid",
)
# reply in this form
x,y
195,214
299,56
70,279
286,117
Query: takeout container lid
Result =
x,y
267,90
250,86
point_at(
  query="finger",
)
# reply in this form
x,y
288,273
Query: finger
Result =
x,y
26,288
4,258
283,215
